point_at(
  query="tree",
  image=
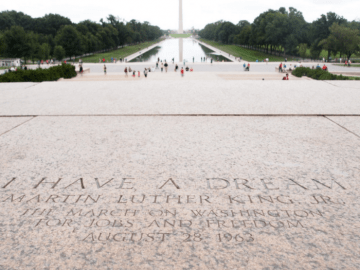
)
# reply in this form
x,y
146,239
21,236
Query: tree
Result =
x,y
2,44
59,52
44,51
320,30
69,38
315,51
342,39
302,50
244,36
17,43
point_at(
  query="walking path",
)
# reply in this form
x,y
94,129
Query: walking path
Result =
x,y
193,76
133,56
90,170
222,53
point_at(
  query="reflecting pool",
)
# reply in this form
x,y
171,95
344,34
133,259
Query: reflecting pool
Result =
x,y
181,49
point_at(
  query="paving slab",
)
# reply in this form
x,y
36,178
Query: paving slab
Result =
x,y
8,123
179,193
16,86
345,84
350,123
175,76
302,97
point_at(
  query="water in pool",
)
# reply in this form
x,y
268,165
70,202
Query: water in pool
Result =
x,y
181,49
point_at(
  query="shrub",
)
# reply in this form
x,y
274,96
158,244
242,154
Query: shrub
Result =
x,y
40,75
319,74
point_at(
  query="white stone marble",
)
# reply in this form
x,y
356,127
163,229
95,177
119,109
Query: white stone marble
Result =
x,y
346,84
8,123
181,97
319,213
16,86
350,123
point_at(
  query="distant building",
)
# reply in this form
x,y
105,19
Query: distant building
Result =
x,y
10,62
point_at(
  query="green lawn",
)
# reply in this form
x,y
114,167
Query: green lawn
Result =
x,y
5,67
180,35
245,54
119,53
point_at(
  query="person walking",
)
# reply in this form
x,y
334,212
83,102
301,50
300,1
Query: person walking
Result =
x,y
176,67
162,66
145,72
166,66
105,69
280,67
211,60
182,72
193,59
81,70
126,72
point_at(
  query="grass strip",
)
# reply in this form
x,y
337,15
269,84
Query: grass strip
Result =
x,y
118,53
246,54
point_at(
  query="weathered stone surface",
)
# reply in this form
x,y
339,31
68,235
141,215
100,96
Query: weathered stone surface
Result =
x,y
350,123
8,123
274,193
173,97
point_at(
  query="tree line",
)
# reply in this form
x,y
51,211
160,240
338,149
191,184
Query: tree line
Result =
x,y
287,31
22,36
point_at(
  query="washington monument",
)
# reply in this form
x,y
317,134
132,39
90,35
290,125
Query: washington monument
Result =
x,y
181,30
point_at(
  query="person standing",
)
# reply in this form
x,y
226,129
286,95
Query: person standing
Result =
x,y
126,72
280,67
162,66
166,66
182,72
176,67
145,73
211,60
105,69
193,59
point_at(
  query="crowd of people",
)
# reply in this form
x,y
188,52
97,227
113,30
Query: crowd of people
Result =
x,y
160,64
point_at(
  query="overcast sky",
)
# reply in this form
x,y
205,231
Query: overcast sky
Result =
x,y
164,13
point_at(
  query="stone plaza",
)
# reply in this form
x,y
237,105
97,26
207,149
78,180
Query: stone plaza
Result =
x,y
192,173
